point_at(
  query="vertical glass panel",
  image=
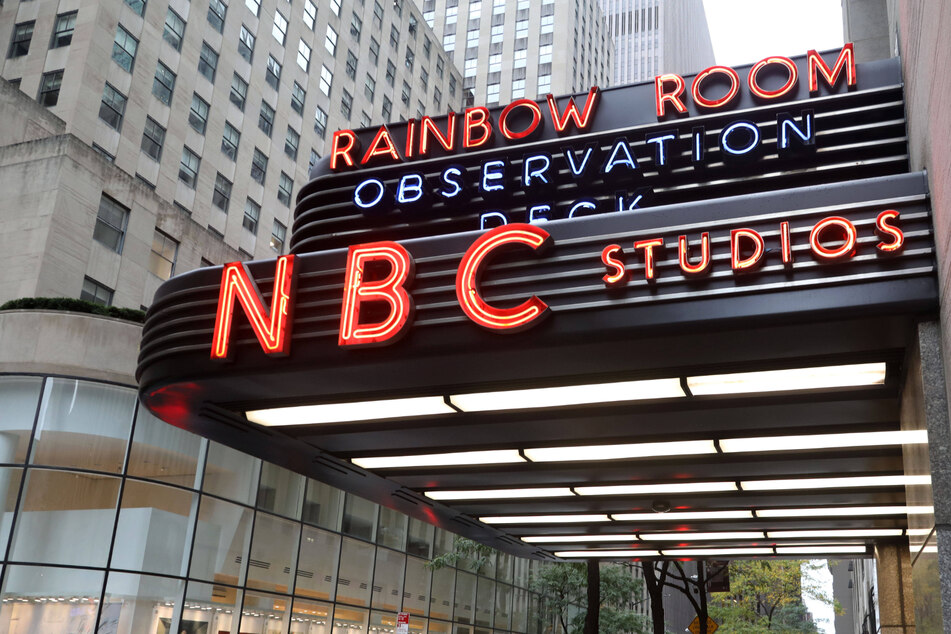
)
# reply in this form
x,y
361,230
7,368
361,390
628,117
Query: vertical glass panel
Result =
x,y
152,530
417,625
356,570
264,613
388,580
503,571
521,571
163,452
484,600
359,517
280,491
503,606
9,488
317,566
392,529
137,604
439,627
420,539
19,396
231,474
61,509
349,620
382,621
440,604
273,553
442,542
322,505
519,610
83,425
462,629
221,541
210,609
465,597
311,617
416,587
24,586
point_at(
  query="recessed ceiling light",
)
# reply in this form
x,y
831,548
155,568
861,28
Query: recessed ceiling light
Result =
x,y
840,511
568,395
700,537
679,516
835,533
613,554
621,452
500,494
821,550
570,539
350,412
786,380
544,519
651,489
454,459
715,552
833,483
823,441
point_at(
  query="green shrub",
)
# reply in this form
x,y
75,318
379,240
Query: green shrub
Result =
x,y
75,305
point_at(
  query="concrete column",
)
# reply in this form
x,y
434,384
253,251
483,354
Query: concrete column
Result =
x,y
896,603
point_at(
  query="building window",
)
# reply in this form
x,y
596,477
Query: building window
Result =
x,y
406,94
266,118
174,30
424,79
377,15
492,94
310,14
279,30
440,67
437,98
284,189
314,157
164,252
356,25
351,65
449,42
254,6
320,122
252,212
303,56
49,88
298,94
394,37
198,115
63,30
136,5
124,48
374,51
188,170
346,104
246,44
208,62
216,14
387,111
390,72
222,194
330,41
258,166
278,235
335,7
153,137
452,86
95,292
369,88
326,80
410,58
364,119
230,140
239,91
273,73
112,108
291,142
427,46
111,223
164,83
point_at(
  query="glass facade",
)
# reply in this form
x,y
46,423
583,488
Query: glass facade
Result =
x,y
115,522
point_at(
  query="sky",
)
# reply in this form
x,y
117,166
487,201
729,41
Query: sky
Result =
x,y
746,31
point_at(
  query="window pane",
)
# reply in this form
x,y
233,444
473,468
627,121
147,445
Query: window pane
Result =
x,y
388,579
322,505
214,606
19,398
359,517
281,491
61,509
503,606
416,591
440,603
84,425
263,613
420,538
273,550
153,524
311,617
465,597
392,528
139,603
347,620
23,587
356,569
317,566
163,452
221,541
484,600
231,474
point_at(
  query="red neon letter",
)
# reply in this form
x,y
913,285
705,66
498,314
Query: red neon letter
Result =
x,y
701,266
661,97
725,99
341,151
477,117
817,66
786,243
391,290
616,274
648,246
738,262
885,229
844,250
470,270
429,127
382,145
273,329
410,137
571,111
520,103
791,69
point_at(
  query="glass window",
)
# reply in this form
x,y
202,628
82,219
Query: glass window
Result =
x,y
351,65
303,56
310,14
416,594
163,452
410,58
320,122
153,136
198,115
273,73
239,91
152,529
391,531
61,509
222,538
330,41
246,43
231,474
164,83
20,397
280,491
258,166
208,62
20,42
377,14
390,72
443,586
254,6
124,48
111,222
210,609
273,553
136,5
394,37
50,86
221,197
298,95
464,597
387,109
279,30
503,606
322,504
266,118
374,51
63,29
484,601
230,140
420,538
346,104
388,580
216,14
335,7
9,488
519,610
369,87
95,292
308,614
262,612
278,236
174,29
252,212
356,26
285,188
406,93
356,571
23,586
326,80
317,567
137,601
359,517
188,170
163,255
291,143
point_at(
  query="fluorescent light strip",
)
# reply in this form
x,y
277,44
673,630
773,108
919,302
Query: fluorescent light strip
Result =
x,y
843,511
544,519
456,459
618,554
350,412
834,483
700,537
918,532
821,550
679,516
621,452
500,494
713,552
788,380
568,395
574,539
835,534
823,441
649,489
